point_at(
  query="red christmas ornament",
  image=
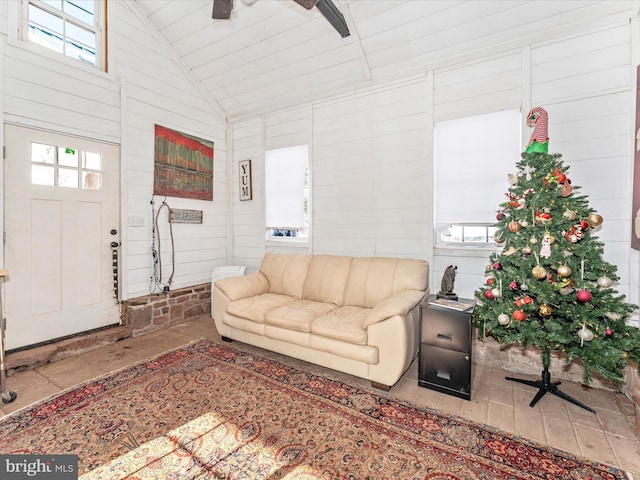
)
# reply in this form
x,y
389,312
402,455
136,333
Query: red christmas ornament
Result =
x,y
488,294
543,217
500,216
514,285
497,266
608,332
519,315
490,281
584,225
584,295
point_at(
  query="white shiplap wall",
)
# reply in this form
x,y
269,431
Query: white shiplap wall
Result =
x,y
157,91
584,80
370,173
144,86
248,244
372,151
369,180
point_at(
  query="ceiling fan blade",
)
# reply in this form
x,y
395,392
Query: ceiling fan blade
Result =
x,y
222,9
308,4
335,17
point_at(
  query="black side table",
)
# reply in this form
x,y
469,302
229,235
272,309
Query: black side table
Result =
x,y
445,348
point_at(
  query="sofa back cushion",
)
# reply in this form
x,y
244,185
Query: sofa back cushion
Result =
x,y
285,272
326,278
372,279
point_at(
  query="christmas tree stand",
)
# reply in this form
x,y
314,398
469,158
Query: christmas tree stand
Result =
x,y
546,385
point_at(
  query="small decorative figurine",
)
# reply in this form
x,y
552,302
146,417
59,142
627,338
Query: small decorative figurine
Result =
x,y
446,287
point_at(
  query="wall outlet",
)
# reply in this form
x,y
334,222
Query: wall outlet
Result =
x,y
136,221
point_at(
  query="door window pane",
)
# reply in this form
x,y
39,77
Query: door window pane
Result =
x,y
65,167
41,153
42,175
92,161
68,178
67,157
91,180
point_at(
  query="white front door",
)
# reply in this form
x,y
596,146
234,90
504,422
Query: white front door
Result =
x,y
61,212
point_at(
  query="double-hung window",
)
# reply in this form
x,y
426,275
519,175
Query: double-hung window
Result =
x,y
71,27
473,157
287,193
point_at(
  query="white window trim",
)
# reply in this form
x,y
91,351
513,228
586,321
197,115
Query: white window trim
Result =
x,y
18,36
293,241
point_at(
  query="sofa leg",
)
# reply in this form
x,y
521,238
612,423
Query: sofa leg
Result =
x,y
380,386
226,339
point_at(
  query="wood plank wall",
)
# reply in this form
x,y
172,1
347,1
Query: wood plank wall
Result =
x,y
143,88
372,164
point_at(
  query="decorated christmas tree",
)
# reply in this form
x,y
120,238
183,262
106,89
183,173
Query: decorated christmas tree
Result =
x,y
549,286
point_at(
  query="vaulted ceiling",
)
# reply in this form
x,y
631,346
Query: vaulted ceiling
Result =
x,y
272,54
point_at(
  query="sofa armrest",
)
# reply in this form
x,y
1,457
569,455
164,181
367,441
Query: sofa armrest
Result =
x,y
399,304
243,286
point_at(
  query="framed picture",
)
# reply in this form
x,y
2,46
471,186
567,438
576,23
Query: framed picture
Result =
x,y
183,165
244,170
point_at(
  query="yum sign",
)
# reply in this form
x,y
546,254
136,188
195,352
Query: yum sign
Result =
x,y
244,169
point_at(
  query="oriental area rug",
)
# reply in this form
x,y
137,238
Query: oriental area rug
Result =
x,y
206,410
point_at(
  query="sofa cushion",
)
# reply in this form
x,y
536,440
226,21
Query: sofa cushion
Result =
x,y
344,323
297,315
285,272
326,279
255,308
372,279
243,286
399,304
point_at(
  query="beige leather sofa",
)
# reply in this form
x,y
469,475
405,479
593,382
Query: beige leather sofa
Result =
x,y
353,314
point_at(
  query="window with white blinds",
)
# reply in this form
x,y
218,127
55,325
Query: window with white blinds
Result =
x,y
286,191
473,157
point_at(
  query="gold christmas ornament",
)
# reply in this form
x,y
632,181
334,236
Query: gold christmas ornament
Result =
x,y
514,226
533,240
569,215
604,282
503,319
594,219
564,271
496,292
544,310
539,272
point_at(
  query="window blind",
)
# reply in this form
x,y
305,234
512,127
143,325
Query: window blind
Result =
x,y
285,170
472,157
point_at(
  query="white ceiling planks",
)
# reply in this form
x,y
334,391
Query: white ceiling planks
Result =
x,y
273,54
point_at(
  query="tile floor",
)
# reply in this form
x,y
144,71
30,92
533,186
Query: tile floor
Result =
x,y
606,436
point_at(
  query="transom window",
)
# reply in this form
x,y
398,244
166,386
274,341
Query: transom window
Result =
x,y
70,27
53,165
